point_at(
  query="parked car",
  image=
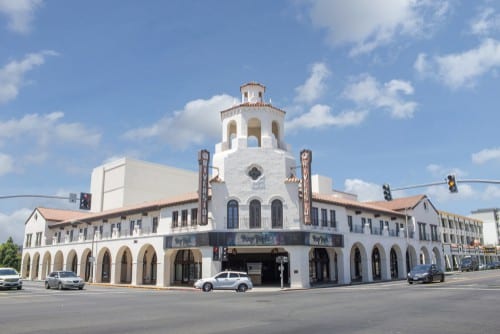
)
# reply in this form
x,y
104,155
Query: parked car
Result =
x,y
425,273
64,280
490,266
10,278
226,280
469,263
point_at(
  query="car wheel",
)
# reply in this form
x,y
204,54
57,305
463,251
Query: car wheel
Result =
x,y
442,278
242,288
47,286
207,287
80,288
59,286
19,287
410,282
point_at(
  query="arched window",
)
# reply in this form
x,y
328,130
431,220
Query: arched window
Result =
x,y
277,214
255,214
232,214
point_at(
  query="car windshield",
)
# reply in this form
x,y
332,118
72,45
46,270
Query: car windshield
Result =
x,y
8,272
67,274
421,267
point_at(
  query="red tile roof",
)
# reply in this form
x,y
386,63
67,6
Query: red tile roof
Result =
x,y
352,204
131,209
58,215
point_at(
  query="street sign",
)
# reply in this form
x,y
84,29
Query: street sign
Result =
x,y
281,259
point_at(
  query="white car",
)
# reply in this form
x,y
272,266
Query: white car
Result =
x,y
10,278
226,280
64,280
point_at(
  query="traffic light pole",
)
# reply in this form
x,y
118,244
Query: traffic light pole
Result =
x,y
84,199
39,196
445,182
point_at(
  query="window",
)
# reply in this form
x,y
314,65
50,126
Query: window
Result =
x,y
333,219
232,214
38,241
277,214
71,235
85,230
28,240
175,219
349,222
194,217
370,224
255,214
132,224
324,217
315,216
184,218
155,224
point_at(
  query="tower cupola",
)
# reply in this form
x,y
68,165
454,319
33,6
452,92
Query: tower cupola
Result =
x,y
252,92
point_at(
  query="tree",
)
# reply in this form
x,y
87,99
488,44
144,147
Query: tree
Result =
x,y
9,255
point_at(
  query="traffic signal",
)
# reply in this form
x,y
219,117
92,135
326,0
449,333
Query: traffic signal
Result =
x,y
215,255
387,192
85,201
452,184
224,254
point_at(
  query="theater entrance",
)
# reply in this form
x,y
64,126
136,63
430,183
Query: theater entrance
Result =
x,y
261,265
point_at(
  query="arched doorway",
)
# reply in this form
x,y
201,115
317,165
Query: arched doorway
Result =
x,y
149,265
26,266
319,266
126,267
36,265
106,268
72,263
394,264
186,268
357,273
376,272
46,265
88,267
58,261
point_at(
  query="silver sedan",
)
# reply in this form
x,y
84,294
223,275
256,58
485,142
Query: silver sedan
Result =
x,y
64,280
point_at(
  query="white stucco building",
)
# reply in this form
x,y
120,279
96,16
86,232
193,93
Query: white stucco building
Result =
x,y
248,206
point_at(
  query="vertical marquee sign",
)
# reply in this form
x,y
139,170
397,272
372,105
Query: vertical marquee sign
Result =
x,y
203,161
305,163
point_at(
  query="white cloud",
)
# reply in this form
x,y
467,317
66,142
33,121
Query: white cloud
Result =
x,y
47,129
369,24
198,121
20,13
320,116
461,69
12,74
441,172
6,164
491,192
366,191
442,193
369,93
485,23
13,225
486,155
314,86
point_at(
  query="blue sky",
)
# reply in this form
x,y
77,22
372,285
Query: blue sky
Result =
x,y
391,91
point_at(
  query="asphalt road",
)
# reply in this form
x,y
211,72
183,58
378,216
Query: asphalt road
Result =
x,y
464,303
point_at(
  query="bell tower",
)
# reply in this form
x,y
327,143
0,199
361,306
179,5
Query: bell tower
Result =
x,y
253,161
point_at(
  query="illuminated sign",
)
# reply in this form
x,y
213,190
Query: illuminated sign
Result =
x,y
305,162
203,160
